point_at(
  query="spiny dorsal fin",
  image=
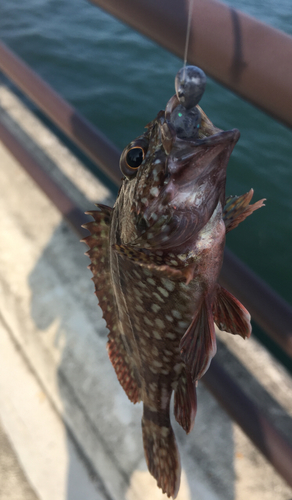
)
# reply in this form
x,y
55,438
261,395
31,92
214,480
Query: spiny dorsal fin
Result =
x,y
237,208
198,345
98,242
229,314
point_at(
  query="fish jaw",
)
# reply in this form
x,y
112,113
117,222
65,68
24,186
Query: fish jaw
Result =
x,y
178,185
197,171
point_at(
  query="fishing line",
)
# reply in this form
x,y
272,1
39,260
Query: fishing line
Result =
x,y
191,2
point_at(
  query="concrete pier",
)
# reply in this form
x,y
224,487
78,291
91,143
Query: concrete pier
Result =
x,y
67,430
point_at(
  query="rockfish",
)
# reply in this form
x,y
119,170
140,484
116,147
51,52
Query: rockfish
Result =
x,y
155,258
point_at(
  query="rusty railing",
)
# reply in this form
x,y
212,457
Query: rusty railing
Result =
x,y
269,440
243,54
227,56
268,309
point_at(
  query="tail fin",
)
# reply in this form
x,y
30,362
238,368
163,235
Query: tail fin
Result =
x,y
161,453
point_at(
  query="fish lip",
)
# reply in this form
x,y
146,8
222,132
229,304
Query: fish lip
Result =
x,y
223,140
224,136
190,159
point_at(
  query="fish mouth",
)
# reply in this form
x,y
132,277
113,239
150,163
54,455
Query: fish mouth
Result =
x,y
190,159
208,139
224,138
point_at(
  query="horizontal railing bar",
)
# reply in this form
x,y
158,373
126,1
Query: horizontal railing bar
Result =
x,y
67,118
271,443
269,310
243,54
71,213
243,411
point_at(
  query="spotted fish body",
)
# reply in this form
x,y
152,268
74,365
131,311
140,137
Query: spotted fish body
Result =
x,y
155,259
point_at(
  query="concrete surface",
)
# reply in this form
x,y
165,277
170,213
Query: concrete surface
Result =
x,y
40,439
73,430
13,483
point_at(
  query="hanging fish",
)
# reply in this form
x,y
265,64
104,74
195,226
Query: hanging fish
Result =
x,y
155,258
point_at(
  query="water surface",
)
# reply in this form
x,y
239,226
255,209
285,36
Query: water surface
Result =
x,y
119,80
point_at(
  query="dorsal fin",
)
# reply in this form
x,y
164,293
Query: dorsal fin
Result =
x,y
123,366
98,252
98,242
237,209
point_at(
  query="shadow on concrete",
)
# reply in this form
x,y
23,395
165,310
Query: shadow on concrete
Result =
x,y
62,301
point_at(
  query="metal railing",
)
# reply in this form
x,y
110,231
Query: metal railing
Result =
x,y
165,22
72,123
243,54
268,309
269,440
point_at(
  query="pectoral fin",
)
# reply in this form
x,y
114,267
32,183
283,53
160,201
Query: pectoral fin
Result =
x,y
229,314
237,208
198,345
152,261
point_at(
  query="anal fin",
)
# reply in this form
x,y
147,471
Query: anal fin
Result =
x,y
229,314
237,209
185,402
198,345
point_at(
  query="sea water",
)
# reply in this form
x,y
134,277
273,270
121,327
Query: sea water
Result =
x,y
119,80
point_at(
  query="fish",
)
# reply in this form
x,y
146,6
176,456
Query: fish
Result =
x,y
155,259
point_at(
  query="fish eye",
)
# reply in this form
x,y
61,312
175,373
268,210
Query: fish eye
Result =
x,y
132,157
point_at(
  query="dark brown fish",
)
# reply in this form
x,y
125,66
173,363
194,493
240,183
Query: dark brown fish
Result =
x,y
155,259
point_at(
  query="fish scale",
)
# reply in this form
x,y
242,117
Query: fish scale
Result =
x,y
155,259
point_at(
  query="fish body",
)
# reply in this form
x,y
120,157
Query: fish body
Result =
x,y
155,258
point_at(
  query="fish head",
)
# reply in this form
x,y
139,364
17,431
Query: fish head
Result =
x,y
174,179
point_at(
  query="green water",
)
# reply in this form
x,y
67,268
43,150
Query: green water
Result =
x,y
119,80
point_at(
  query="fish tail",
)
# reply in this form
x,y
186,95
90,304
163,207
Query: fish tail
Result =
x,y
161,451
